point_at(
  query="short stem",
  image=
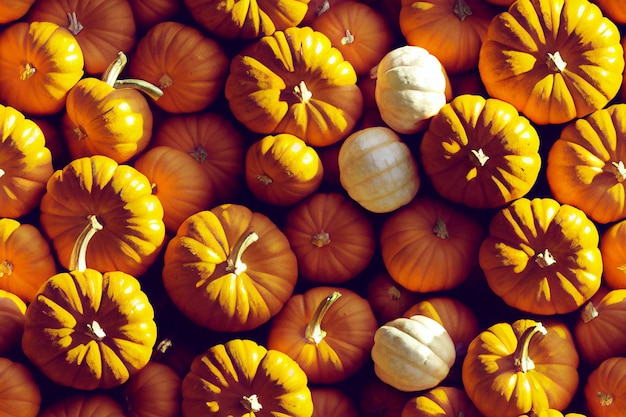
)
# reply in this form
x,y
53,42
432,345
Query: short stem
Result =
x,y
522,361
320,239
6,268
27,71
481,156
79,251
545,259
556,62
348,39
440,229
199,154
606,399
589,312
302,92
96,331
264,179
462,10
74,25
234,263
620,171
251,403
313,332
394,292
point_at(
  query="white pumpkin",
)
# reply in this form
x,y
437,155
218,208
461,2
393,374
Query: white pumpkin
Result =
x,y
377,169
411,87
412,354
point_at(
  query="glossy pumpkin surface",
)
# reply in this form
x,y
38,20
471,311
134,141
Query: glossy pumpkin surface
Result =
x,y
554,60
296,82
20,394
229,268
542,257
89,330
481,152
240,378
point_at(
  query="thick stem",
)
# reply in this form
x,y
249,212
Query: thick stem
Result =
x,y
27,70
481,156
199,154
606,398
313,332
113,71
523,362
545,259
74,25
96,331
234,263
394,292
264,179
79,251
589,312
320,239
6,268
251,403
555,62
462,10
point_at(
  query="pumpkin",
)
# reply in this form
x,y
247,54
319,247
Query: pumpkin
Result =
x,y
411,87
586,164
513,368
147,13
26,163
102,28
55,142
550,412
245,20
454,315
378,170
440,401
333,239
222,160
241,378
296,82
613,9
19,391
12,311
412,354
605,387
430,245
229,268
358,31
480,152
189,67
328,331
38,59
542,257
95,195
84,405
451,30
554,60
178,182
614,255
14,10
177,354
378,399
388,299
26,259
154,391
332,402
109,116
282,169
600,332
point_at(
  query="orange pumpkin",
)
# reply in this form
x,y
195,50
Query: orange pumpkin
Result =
x,y
332,402
328,331
84,405
155,391
605,389
377,399
332,238
441,401
614,255
188,66
19,391
14,10
12,311
388,299
614,9
102,28
150,12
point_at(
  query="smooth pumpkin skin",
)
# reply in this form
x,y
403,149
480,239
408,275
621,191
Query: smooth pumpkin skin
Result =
x,y
605,389
220,378
500,379
481,152
64,323
296,82
25,161
12,312
20,394
518,60
84,405
542,257
586,164
38,59
222,280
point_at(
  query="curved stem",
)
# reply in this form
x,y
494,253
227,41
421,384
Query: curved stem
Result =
x,y
522,361
115,68
313,332
234,263
74,24
79,251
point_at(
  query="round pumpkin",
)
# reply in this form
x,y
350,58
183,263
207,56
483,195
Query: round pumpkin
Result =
x,y
605,389
332,402
12,312
378,170
296,82
229,268
613,9
154,391
84,405
20,394
388,299
441,401
14,10
614,255
552,72
147,13
542,257
480,152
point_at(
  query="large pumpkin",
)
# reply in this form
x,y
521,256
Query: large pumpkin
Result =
x,y
14,10
554,60
441,401
295,81
542,257
229,268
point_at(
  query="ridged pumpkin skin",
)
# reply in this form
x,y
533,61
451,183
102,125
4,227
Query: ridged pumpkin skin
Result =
x,y
441,401
229,268
155,391
14,10
20,394
331,402
88,330
229,377
614,255
605,389
296,82
554,60
84,405
480,152
12,312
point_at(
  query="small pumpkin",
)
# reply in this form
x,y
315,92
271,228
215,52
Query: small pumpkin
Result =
x,y
605,388
412,354
147,13
154,391
332,402
378,399
389,300
614,10
12,311
282,169
241,377
20,394
441,401
378,170
84,405
10,12
614,255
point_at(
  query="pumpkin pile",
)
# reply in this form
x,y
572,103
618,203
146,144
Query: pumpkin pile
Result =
x,y
307,208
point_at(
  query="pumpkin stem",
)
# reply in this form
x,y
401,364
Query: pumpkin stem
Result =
x,y
620,171
322,8
2,172
113,71
606,399
555,62
320,239
545,259
264,179
588,313
522,361
27,71
251,403
165,81
440,229
302,92
394,292
74,25
96,331
348,39
235,265
313,332
199,154
481,156
79,251
6,268
462,10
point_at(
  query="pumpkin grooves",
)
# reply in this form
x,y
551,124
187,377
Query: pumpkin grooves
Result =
x,y
234,265
79,250
522,361
314,333
462,9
